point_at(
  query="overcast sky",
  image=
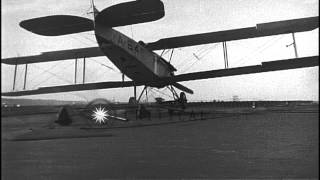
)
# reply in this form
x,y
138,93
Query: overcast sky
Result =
x,y
182,17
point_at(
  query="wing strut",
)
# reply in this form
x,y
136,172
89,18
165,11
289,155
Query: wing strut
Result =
x,y
225,54
14,77
294,45
75,70
25,77
84,70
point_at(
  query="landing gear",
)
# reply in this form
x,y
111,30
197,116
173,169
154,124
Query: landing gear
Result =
x,y
179,102
181,99
132,100
141,111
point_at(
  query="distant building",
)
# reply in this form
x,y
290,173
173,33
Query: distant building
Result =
x,y
235,98
159,99
4,105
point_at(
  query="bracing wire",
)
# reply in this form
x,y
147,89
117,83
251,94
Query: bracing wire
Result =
x,y
92,41
260,49
183,62
44,71
160,92
89,39
200,52
203,54
61,78
80,41
53,75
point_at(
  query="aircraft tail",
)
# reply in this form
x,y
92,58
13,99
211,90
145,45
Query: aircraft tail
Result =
x,y
132,12
57,25
122,14
94,12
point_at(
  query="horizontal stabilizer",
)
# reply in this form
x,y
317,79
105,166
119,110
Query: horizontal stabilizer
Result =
x,y
133,12
55,56
260,30
57,25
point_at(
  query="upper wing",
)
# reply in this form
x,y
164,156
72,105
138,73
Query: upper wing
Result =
x,y
55,56
57,25
264,29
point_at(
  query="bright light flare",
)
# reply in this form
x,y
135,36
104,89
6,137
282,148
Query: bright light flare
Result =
x,y
100,115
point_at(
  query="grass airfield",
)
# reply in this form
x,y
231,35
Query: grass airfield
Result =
x,y
273,141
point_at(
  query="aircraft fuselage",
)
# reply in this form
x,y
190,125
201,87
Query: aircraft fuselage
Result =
x,y
132,58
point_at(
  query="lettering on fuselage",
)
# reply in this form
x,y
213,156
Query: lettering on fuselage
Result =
x,y
130,56
155,65
127,44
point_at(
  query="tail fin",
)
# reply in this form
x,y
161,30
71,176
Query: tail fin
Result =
x,y
183,88
95,11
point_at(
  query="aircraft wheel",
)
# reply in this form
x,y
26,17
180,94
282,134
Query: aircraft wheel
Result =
x,y
183,97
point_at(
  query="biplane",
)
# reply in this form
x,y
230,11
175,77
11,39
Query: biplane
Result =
x,y
137,60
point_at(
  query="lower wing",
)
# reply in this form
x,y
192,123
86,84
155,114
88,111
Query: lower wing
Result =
x,y
70,88
277,65
295,63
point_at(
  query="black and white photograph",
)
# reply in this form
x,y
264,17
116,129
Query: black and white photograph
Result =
x,y
159,89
